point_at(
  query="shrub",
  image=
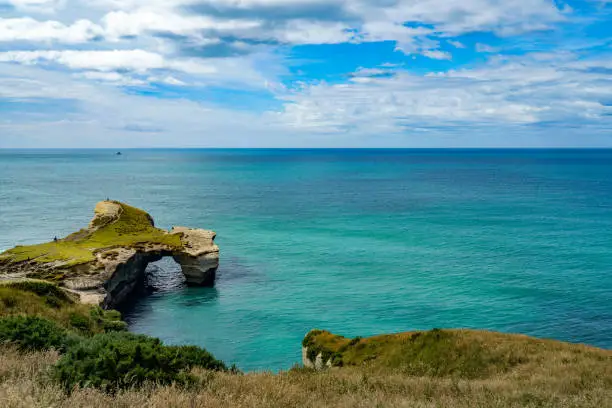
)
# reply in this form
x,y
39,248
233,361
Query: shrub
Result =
x,y
30,333
110,326
108,320
116,361
80,322
195,356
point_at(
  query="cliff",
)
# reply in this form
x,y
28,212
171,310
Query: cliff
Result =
x,y
105,261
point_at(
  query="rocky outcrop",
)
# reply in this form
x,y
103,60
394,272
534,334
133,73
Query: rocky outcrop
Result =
x,y
107,260
315,353
317,364
199,258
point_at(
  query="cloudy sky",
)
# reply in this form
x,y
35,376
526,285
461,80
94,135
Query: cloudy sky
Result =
x,y
305,73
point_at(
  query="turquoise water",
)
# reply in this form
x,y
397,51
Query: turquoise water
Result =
x,y
355,241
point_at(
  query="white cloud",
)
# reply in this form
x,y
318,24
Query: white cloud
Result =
x,y
121,23
40,6
109,117
28,29
308,32
169,80
85,49
526,90
486,48
456,44
242,24
134,60
112,77
437,54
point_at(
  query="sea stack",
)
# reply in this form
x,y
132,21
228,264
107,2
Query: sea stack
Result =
x,y
104,262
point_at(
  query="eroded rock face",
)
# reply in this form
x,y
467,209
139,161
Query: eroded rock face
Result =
x,y
200,258
317,364
105,262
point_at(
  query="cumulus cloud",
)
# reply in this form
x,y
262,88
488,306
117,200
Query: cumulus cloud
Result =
x,y
522,91
110,117
40,6
136,60
485,48
198,48
437,54
223,28
456,44
29,29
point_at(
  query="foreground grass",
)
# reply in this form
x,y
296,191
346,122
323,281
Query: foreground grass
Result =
x,y
438,368
24,383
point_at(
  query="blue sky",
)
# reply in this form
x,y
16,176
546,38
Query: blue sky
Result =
x,y
305,73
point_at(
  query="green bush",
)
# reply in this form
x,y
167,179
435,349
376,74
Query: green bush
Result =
x,y
110,326
108,320
80,322
122,360
31,333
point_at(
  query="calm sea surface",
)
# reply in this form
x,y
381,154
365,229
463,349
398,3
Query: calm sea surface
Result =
x,y
355,241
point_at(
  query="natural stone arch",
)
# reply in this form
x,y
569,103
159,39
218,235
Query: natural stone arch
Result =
x,y
107,260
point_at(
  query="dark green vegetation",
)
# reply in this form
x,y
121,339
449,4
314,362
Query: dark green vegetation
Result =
x,y
30,333
115,225
124,360
96,350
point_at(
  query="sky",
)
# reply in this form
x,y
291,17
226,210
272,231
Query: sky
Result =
x,y
305,73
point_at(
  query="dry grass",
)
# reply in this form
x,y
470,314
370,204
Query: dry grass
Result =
x,y
564,379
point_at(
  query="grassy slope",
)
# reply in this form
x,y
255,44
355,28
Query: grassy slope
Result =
x,y
43,299
133,228
465,354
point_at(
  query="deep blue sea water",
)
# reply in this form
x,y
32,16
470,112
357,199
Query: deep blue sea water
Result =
x,y
355,241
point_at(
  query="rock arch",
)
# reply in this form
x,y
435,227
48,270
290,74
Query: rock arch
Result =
x,y
107,260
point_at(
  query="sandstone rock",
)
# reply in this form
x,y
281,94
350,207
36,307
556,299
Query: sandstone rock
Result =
x,y
106,261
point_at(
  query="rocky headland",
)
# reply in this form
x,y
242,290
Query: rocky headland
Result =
x,y
105,261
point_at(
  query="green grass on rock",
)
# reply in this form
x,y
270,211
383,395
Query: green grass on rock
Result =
x,y
133,228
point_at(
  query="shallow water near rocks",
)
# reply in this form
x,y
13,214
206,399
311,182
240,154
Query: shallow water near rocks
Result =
x,y
359,242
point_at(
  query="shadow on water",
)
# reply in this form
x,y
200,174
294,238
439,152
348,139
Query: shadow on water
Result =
x,y
164,278
198,296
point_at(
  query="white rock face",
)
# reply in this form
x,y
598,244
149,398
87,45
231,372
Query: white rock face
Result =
x,y
318,364
199,259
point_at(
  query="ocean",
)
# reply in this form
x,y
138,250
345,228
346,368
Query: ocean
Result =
x,y
358,242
